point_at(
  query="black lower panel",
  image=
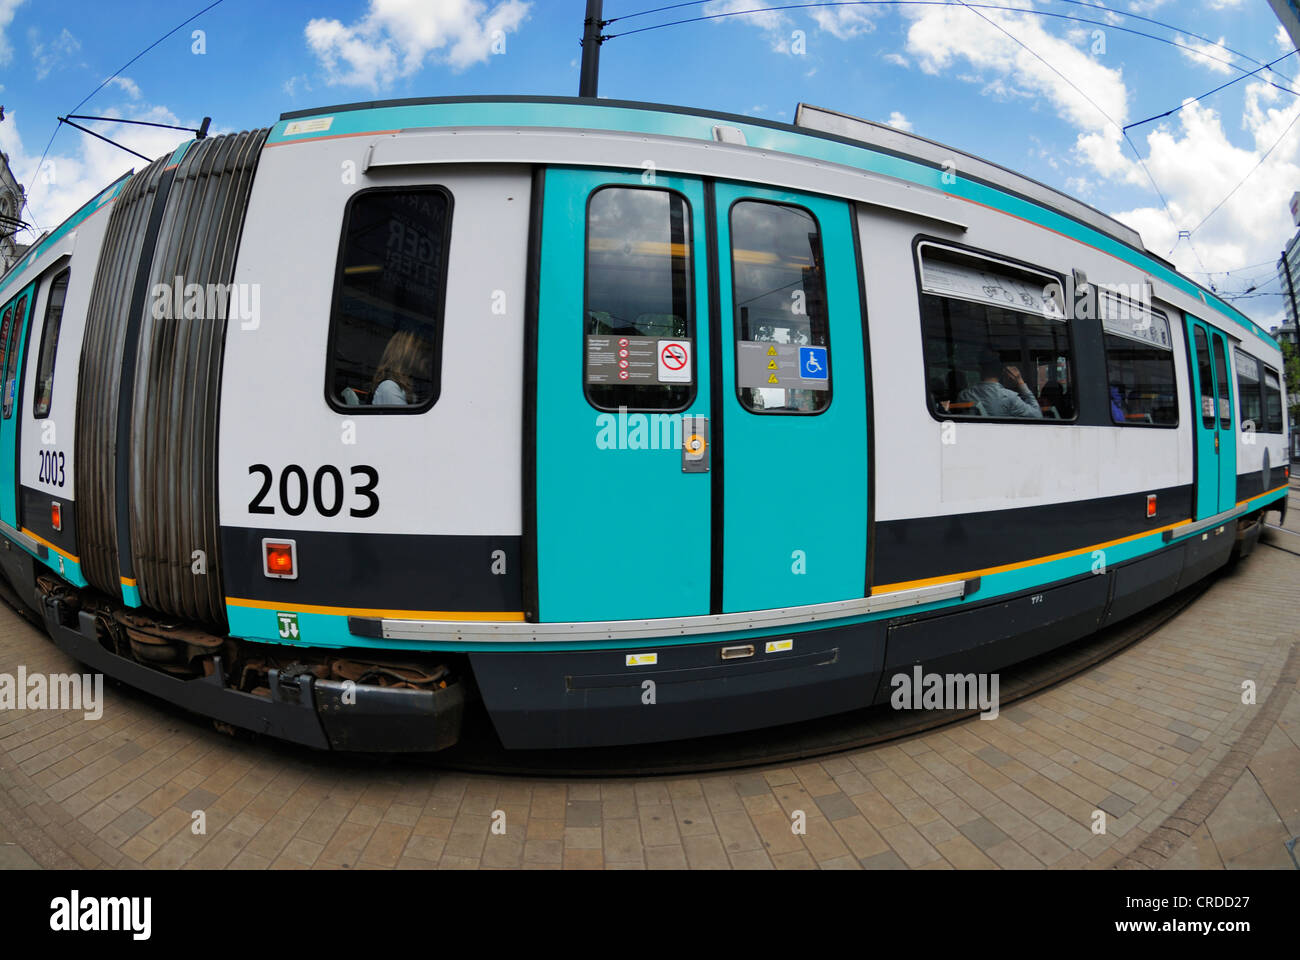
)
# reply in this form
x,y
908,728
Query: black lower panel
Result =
x,y
542,700
925,547
987,638
1252,484
1206,552
379,571
1143,582
34,509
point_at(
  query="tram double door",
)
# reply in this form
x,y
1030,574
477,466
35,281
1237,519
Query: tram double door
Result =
x,y
700,427
1216,432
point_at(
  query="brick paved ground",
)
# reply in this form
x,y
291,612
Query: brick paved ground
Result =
x,y
1156,737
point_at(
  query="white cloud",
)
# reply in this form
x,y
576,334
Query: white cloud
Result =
x,y
79,166
897,60
397,37
844,22
1283,39
940,38
1210,55
899,122
127,85
1197,166
47,56
7,10
1191,156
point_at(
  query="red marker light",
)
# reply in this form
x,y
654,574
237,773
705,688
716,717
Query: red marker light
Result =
x,y
1151,505
279,558
56,516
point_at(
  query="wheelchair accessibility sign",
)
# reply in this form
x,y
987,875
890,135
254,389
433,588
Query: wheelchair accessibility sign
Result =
x,y
813,364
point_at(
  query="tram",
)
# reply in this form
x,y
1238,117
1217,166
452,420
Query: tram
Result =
x,y
621,422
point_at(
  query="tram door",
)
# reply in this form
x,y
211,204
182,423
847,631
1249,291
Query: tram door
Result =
x,y
623,516
1216,438
13,336
692,460
793,401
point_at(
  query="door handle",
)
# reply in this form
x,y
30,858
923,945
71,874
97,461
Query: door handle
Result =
x,y
696,455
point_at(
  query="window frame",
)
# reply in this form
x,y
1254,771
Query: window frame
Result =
x,y
11,358
1173,362
735,320
1021,266
45,332
439,320
692,300
1264,371
1237,351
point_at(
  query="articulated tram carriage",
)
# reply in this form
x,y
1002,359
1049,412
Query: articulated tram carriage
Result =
x,y
333,429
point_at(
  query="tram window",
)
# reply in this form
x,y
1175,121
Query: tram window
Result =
x,y
44,394
4,336
1139,364
1272,401
639,314
1206,375
997,346
386,324
779,292
12,343
1221,371
1251,390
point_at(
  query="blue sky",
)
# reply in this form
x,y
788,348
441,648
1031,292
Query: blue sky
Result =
x,y
945,72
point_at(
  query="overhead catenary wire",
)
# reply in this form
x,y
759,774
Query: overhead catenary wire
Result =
x,y
1248,175
1222,86
780,8
1089,4
109,79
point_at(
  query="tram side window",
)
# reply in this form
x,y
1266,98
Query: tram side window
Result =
x,y
1221,370
1205,374
44,395
386,322
12,343
4,337
1251,400
1272,401
779,291
1139,365
997,346
639,325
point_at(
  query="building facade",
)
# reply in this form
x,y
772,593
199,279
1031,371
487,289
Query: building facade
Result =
x,y
11,206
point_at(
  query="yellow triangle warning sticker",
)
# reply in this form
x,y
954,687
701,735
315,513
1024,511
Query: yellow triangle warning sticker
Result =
x,y
771,364
773,379
771,351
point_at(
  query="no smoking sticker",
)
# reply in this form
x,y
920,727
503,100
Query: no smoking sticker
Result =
x,y
674,361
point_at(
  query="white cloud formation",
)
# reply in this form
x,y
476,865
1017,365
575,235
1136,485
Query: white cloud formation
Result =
x,y
53,54
127,85
396,38
7,10
1192,157
1210,55
899,122
844,22
1283,39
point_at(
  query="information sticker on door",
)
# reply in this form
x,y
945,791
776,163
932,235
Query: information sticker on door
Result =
x,y
674,361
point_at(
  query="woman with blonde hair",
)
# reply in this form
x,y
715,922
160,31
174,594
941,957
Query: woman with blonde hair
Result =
x,y
405,359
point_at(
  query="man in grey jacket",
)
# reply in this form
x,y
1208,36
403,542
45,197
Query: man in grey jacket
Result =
x,y
995,399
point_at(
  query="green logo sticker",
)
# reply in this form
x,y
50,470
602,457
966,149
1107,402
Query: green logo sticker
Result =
x,y
288,626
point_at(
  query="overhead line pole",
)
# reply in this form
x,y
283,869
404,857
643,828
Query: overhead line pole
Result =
x,y
589,82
